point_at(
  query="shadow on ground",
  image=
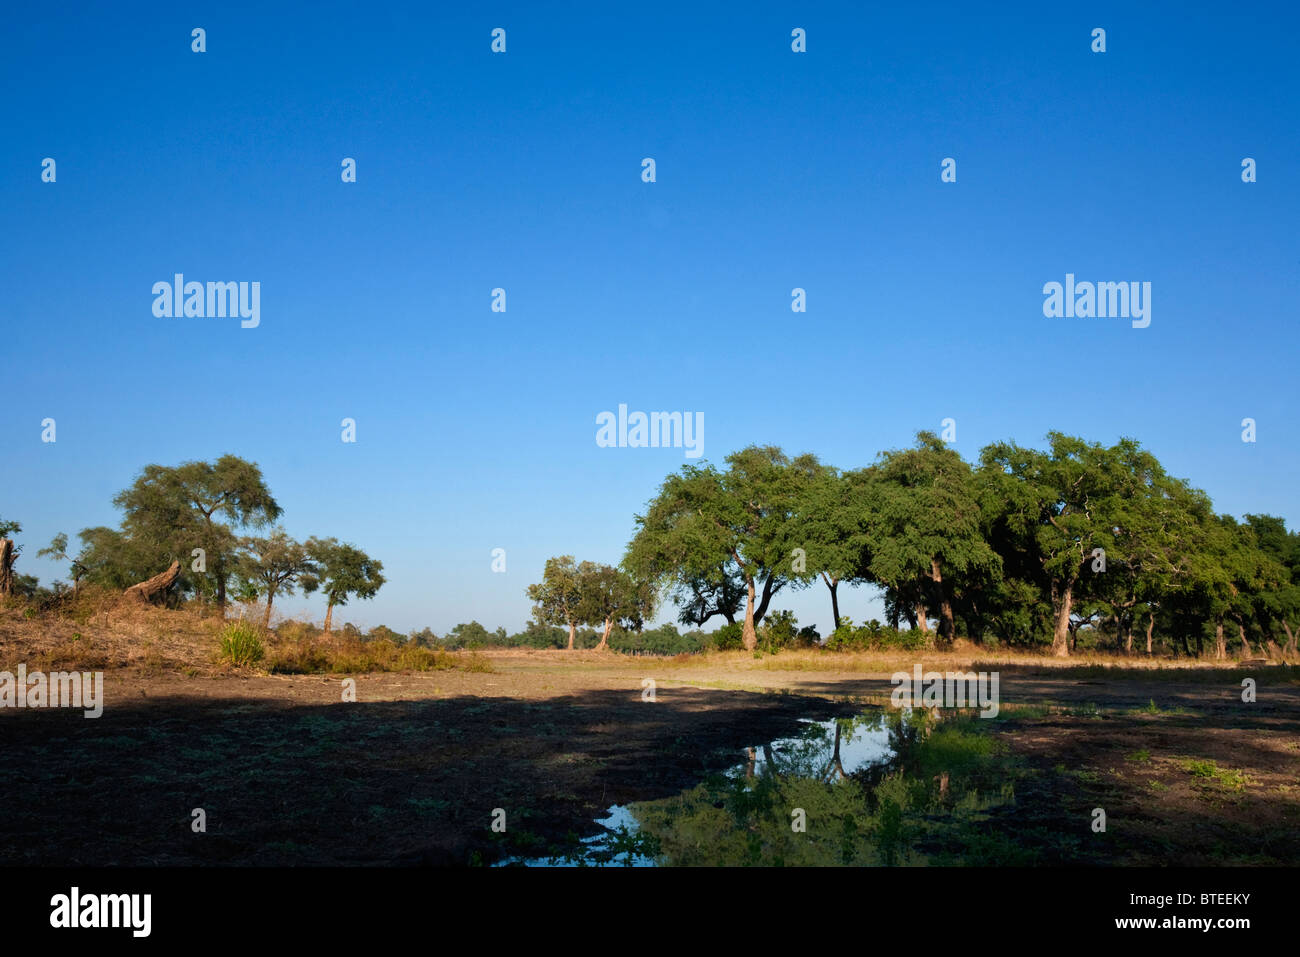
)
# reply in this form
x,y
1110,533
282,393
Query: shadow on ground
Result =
x,y
398,782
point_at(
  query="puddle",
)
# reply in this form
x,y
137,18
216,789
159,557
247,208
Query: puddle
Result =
x,y
839,754
619,844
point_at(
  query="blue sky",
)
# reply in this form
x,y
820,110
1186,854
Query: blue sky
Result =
x,y
522,170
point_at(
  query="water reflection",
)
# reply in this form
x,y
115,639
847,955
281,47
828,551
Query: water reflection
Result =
x,y
880,788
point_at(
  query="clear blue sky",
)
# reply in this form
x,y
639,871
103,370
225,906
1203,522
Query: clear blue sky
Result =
x,y
820,170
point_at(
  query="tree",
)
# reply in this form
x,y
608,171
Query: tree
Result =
x,y
342,572
701,597
276,563
171,511
113,559
703,519
558,595
1057,507
1280,603
424,638
384,633
926,523
836,521
58,549
610,596
1156,531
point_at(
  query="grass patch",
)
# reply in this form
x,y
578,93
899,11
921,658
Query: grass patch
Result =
x,y
241,644
1152,708
1208,771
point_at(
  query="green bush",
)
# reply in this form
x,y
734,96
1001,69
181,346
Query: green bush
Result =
x,y
807,637
873,636
777,631
241,644
729,637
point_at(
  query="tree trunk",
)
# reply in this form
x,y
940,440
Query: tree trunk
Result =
x,y
1063,599
143,593
837,763
921,621
572,629
748,635
833,584
270,595
1220,645
947,627
1290,637
768,592
329,617
1125,624
1245,645
1151,625
604,639
221,588
7,557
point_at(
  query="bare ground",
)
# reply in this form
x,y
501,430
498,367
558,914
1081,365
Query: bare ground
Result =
x,y
288,773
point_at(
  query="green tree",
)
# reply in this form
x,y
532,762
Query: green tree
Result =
x,y
927,526
1280,603
701,597
745,518
1156,528
342,572
558,596
836,520
1056,507
58,549
276,564
170,511
609,596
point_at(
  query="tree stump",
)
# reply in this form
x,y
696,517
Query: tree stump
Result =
x,y
143,593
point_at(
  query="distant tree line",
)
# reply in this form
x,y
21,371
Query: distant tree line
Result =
x,y
1078,542
1028,547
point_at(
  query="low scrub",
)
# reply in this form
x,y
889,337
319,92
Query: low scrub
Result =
x,y
352,656
241,644
873,636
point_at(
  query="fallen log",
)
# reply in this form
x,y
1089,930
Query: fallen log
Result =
x,y
143,592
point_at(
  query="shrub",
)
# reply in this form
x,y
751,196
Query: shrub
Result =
x,y
355,656
777,631
729,637
241,644
873,636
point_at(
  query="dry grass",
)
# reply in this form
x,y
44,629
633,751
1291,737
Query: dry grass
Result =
x,y
318,656
96,632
